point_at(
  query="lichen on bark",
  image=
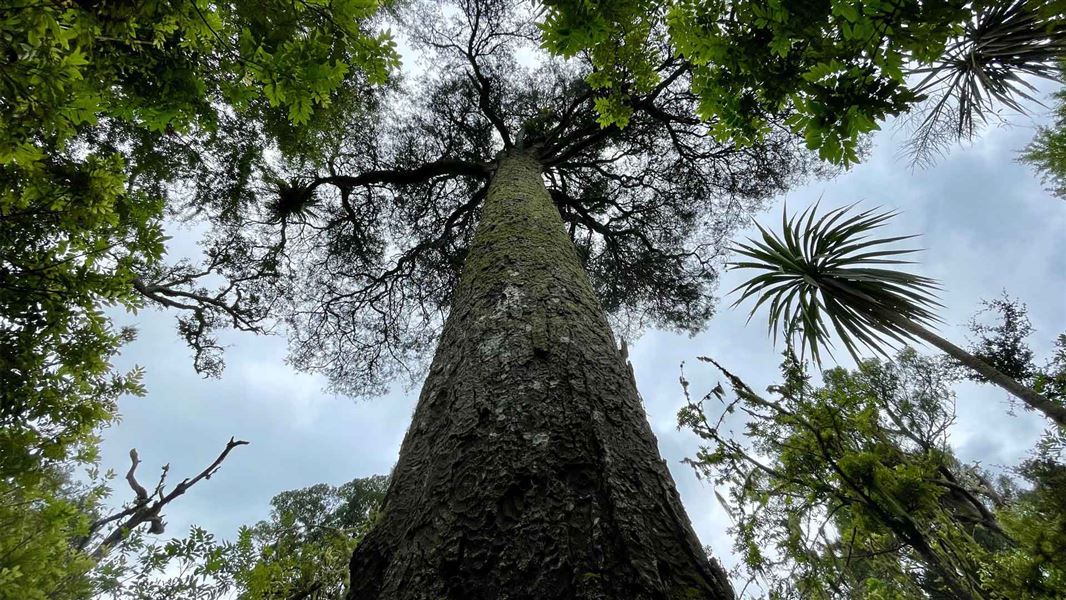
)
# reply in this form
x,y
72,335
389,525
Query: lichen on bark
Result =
x,y
529,469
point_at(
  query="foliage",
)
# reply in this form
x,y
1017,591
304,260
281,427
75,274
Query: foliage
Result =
x,y
1004,46
193,567
309,540
835,68
829,269
105,109
852,490
57,531
1036,519
301,551
1051,380
39,523
358,248
1047,151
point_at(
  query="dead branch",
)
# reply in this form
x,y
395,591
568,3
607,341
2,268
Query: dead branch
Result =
x,y
144,510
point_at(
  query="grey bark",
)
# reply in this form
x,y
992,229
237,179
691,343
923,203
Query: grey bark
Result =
x,y
529,469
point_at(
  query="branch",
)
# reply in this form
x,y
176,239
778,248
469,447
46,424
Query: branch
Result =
x,y
142,494
484,101
444,166
166,295
142,511
607,232
307,592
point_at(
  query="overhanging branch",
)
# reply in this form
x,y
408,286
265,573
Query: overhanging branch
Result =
x,y
438,168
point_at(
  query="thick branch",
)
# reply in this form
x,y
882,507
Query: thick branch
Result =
x,y
437,168
142,494
485,103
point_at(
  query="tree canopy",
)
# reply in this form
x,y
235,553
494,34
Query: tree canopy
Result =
x,y
835,69
359,247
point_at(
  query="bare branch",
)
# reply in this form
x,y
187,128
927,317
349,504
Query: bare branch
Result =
x,y
143,511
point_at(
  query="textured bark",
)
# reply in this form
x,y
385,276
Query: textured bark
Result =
x,y
529,469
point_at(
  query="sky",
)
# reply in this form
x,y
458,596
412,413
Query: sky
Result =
x,y
986,224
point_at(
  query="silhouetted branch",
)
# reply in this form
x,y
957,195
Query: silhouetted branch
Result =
x,y
144,510
437,168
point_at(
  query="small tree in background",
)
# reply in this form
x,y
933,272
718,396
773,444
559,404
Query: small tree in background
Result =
x,y
300,552
851,489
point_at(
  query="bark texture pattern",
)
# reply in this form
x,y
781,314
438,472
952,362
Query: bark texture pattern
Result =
x,y
529,469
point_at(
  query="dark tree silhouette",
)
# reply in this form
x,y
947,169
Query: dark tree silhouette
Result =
x,y
483,205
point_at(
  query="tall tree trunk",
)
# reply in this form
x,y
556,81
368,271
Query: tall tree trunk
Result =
x,y
529,469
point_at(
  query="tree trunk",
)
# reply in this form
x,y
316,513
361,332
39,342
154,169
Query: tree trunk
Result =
x,y
529,469
1032,399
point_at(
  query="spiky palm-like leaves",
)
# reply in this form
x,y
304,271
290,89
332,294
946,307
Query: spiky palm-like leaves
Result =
x,y
829,269
1006,42
292,202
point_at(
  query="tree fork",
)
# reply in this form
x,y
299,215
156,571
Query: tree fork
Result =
x,y
529,469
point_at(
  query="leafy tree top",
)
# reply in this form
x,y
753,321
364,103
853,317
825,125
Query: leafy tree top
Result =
x,y
836,68
106,109
360,245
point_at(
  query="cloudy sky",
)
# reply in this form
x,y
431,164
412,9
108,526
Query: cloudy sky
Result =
x,y
987,226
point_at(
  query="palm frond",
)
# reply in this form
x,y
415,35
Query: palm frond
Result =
x,y
831,269
988,66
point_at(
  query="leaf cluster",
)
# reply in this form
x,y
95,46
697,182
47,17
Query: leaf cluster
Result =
x,y
829,268
1047,152
39,521
834,68
106,111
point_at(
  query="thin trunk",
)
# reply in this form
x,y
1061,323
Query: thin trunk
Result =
x,y
529,469
1029,396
